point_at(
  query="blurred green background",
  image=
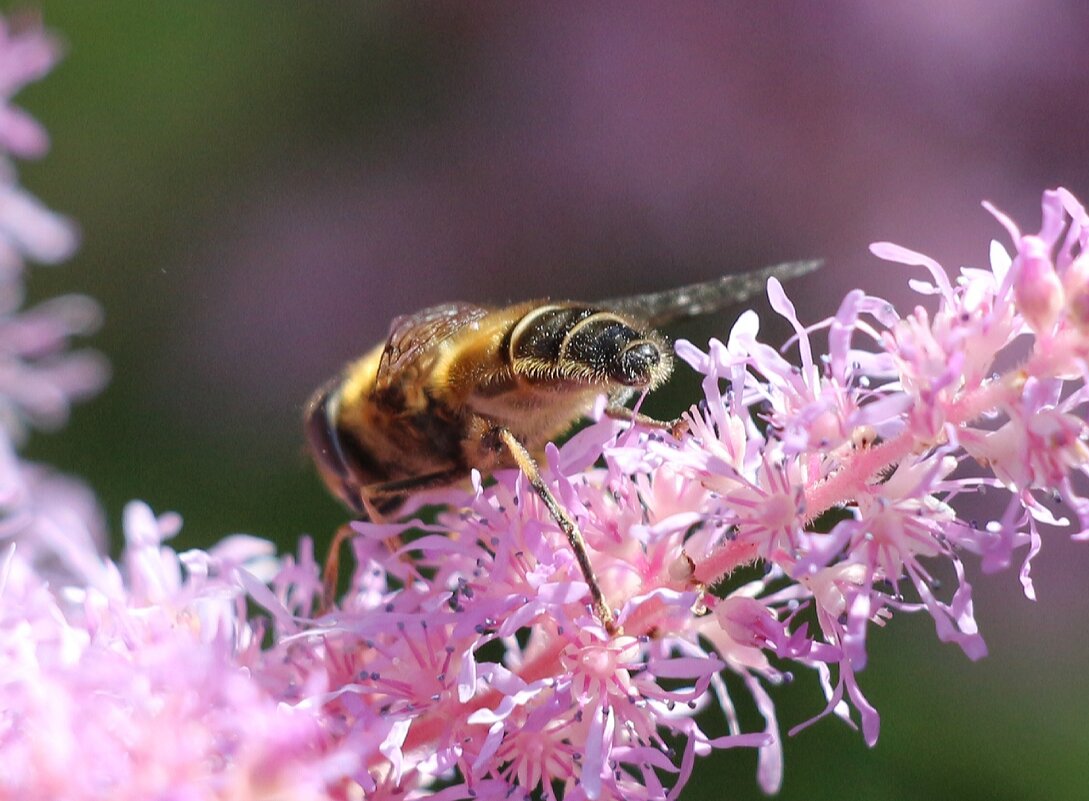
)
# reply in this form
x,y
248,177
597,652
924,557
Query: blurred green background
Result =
x,y
262,186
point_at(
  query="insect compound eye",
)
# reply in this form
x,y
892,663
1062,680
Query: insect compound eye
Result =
x,y
325,447
320,431
635,366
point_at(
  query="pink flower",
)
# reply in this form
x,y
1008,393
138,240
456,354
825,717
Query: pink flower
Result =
x,y
465,660
118,681
28,230
140,682
514,681
40,377
27,53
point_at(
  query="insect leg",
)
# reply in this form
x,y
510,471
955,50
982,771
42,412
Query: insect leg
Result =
x,y
676,426
330,572
528,466
373,499
398,488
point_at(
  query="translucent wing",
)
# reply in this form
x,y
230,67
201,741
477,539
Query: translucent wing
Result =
x,y
659,308
413,337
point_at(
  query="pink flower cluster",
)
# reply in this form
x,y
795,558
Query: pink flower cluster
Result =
x,y
39,377
471,660
128,681
810,498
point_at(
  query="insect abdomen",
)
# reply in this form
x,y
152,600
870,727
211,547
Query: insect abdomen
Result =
x,y
586,345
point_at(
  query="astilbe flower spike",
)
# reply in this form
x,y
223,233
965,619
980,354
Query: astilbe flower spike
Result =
x,y
470,660
467,663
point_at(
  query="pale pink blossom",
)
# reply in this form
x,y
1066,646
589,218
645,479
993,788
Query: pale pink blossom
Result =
x,y
137,682
27,53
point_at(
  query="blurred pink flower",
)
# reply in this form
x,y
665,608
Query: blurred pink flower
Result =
x,y
28,230
142,687
39,378
27,53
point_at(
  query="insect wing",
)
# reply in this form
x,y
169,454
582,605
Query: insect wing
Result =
x,y
412,337
659,308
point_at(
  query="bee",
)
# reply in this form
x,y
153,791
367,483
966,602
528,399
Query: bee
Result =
x,y
459,386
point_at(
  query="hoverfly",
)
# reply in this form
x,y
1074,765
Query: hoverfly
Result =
x,y
460,386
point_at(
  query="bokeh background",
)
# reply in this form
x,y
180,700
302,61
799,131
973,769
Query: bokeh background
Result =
x,y
263,185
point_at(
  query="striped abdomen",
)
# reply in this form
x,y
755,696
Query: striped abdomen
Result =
x,y
586,345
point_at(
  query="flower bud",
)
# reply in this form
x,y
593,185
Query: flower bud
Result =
x,y
744,620
1037,289
1076,289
